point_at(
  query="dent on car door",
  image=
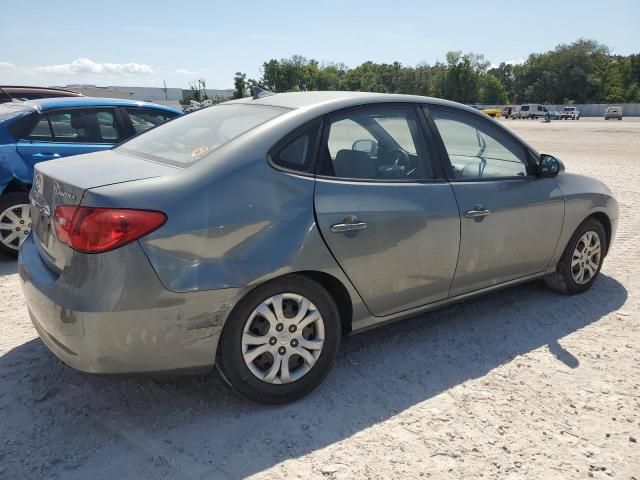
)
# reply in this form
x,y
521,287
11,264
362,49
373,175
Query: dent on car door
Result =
x,y
510,218
390,223
69,132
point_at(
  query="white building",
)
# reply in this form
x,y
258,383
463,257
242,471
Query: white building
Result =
x,y
169,96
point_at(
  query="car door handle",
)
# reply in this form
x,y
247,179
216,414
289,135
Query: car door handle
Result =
x,y
478,211
349,223
45,156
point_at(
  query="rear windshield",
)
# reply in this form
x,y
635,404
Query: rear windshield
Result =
x,y
187,139
524,108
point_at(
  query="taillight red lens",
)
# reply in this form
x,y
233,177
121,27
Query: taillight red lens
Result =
x,y
95,230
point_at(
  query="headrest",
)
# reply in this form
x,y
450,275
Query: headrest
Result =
x,y
82,120
353,164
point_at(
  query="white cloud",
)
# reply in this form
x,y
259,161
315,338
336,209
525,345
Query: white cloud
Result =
x,y
182,71
7,66
85,65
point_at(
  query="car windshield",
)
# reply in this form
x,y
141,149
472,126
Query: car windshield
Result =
x,y
569,109
524,108
188,139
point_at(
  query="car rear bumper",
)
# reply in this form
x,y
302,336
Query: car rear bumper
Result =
x,y
112,315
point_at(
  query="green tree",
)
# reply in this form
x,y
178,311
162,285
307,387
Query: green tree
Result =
x,y
239,85
492,91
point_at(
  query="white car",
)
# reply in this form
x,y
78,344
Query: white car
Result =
x,y
613,112
570,113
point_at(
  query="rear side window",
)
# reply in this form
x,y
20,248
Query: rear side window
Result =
x,y
42,130
77,126
194,136
297,153
145,119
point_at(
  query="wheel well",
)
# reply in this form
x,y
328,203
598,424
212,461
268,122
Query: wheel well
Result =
x,y
16,186
339,294
606,223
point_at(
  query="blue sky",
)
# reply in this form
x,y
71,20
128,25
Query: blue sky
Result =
x,y
145,42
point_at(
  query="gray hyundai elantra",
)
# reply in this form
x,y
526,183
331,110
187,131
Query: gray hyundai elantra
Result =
x,y
254,234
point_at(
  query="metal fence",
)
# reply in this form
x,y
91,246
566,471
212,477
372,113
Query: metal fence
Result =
x,y
593,109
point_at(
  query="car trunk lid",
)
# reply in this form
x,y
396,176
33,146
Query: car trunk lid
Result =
x,y
65,181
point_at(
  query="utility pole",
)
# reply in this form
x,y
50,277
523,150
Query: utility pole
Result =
x,y
166,97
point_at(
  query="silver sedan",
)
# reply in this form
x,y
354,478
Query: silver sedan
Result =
x,y
252,235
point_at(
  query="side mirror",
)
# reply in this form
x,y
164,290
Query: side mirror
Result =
x,y
549,166
369,147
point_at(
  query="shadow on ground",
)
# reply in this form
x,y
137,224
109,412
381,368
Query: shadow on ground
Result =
x,y
8,266
195,428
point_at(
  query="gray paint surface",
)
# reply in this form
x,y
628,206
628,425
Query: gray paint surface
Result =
x,y
235,222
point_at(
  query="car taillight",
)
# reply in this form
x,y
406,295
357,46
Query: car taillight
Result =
x,y
95,230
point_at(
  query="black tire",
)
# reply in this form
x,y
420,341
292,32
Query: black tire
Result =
x,y
562,279
231,361
6,202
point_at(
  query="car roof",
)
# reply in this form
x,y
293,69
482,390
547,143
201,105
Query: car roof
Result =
x,y
45,104
340,99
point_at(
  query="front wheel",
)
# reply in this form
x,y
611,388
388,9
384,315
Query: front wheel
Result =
x,y
281,340
581,261
15,222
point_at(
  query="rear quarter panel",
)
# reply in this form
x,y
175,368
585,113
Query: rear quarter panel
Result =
x,y
233,221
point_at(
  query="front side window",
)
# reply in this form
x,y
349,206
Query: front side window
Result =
x,y
478,149
145,119
377,143
192,137
77,126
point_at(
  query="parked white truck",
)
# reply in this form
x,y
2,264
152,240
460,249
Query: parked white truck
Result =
x,y
570,113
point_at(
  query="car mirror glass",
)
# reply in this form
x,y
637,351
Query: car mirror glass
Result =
x,y
550,166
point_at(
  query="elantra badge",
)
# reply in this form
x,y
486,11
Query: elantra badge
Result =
x,y
57,190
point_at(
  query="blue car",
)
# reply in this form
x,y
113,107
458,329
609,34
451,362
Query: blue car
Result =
x,y
46,129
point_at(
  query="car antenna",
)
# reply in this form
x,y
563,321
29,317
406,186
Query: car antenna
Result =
x,y
258,92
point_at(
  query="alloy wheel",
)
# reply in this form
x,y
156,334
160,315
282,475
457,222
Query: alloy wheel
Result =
x,y
15,225
586,258
283,338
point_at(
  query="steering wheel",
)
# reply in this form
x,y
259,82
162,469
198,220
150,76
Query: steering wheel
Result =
x,y
396,155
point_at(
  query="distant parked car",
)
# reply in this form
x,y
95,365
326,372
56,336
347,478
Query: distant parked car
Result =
x,y
38,130
509,112
492,112
613,112
570,113
553,115
532,111
10,93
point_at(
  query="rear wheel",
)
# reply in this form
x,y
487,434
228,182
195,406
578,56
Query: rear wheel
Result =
x,y
15,222
280,341
581,261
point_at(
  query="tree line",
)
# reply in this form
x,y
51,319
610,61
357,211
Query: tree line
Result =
x,y
584,71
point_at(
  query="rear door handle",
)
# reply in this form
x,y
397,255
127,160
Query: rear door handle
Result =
x,y
477,211
349,223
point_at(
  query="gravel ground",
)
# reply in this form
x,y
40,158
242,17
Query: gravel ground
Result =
x,y
524,383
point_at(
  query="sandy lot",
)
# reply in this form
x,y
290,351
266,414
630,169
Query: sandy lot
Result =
x,y
524,383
